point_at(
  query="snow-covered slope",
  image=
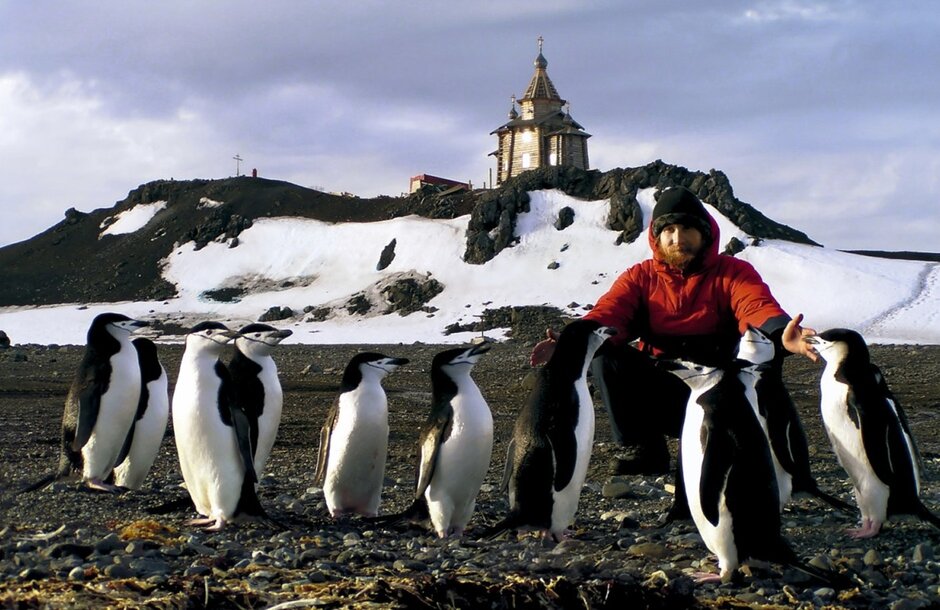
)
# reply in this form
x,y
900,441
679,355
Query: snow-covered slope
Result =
x,y
306,264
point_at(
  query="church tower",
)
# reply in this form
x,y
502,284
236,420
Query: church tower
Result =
x,y
541,132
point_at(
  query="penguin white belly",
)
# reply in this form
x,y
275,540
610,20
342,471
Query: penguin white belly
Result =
x,y
355,467
871,493
565,501
719,539
462,462
207,448
116,412
148,436
270,418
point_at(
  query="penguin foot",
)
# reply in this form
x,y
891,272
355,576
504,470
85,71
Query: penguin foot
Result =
x,y
452,531
868,529
557,536
99,485
210,524
702,578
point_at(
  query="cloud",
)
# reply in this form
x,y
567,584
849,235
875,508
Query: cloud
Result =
x,y
64,151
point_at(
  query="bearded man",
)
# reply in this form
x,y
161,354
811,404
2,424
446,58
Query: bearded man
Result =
x,y
687,301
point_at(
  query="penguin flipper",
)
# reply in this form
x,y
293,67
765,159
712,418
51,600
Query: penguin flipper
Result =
x,y
436,430
243,438
240,422
323,451
89,403
507,471
564,448
716,464
126,447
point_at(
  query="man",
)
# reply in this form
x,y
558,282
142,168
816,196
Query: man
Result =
x,y
687,301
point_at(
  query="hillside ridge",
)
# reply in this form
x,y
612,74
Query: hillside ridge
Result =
x,y
74,262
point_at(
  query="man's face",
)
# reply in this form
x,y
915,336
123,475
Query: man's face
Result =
x,y
680,245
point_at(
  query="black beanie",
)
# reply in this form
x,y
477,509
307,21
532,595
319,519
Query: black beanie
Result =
x,y
678,205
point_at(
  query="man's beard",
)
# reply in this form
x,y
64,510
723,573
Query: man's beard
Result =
x,y
678,257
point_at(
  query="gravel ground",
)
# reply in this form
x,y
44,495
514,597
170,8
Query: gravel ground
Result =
x,y
65,547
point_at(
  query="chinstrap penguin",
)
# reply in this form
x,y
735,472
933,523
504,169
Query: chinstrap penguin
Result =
x,y
548,456
101,403
213,436
729,476
256,387
354,438
146,434
763,369
455,445
869,432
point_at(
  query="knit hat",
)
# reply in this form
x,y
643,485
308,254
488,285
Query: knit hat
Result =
x,y
678,205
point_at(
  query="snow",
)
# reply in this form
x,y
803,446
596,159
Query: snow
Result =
x,y
132,220
301,263
205,202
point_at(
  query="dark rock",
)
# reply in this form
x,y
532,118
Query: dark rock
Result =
x,y
276,313
387,256
565,218
496,214
358,305
409,295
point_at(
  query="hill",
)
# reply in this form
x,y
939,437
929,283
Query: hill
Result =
x,y
433,267
79,261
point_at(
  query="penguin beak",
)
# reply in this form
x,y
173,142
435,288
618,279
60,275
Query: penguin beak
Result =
x,y
479,349
283,334
398,361
140,324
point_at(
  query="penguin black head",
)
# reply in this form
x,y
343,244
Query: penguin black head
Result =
x,y
210,335
459,359
755,346
696,376
368,364
260,339
577,343
111,324
838,344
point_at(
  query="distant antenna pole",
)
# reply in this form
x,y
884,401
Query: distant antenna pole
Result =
x,y
238,161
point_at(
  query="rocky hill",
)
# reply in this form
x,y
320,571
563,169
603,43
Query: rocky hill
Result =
x,y
74,261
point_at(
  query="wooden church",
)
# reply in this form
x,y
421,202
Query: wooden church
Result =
x,y
541,131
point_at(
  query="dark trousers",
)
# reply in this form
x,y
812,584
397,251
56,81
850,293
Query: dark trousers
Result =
x,y
644,401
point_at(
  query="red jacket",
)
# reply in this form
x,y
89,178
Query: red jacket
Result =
x,y
681,315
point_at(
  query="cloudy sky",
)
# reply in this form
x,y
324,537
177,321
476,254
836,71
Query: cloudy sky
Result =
x,y
824,115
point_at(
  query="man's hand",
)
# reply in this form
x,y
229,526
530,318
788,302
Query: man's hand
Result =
x,y
792,339
543,350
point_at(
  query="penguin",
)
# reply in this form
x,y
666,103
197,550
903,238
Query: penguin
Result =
x,y
213,437
729,476
100,405
455,445
146,433
354,438
789,447
256,387
869,432
548,456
